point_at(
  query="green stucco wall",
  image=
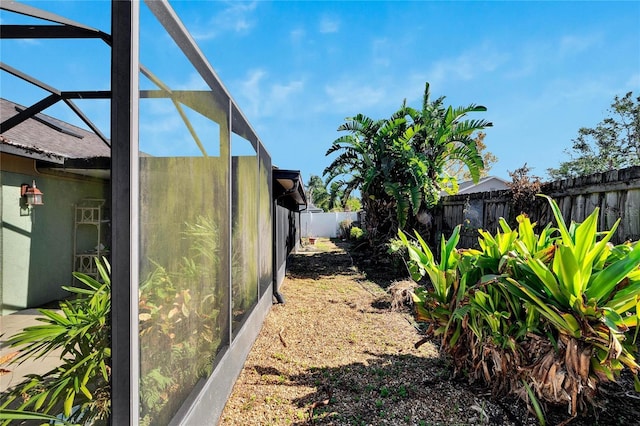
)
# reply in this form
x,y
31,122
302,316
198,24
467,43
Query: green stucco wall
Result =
x,y
37,243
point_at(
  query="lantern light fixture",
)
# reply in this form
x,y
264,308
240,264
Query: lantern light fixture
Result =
x,y
31,194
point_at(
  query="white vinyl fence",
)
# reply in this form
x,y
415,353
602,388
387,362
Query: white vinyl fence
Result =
x,y
323,224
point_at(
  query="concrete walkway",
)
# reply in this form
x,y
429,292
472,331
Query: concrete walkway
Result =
x,y
12,374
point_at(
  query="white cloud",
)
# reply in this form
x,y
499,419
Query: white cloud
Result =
x,y
281,93
468,65
380,50
572,44
259,97
634,82
534,55
297,35
329,25
375,97
351,95
194,81
251,93
237,18
30,42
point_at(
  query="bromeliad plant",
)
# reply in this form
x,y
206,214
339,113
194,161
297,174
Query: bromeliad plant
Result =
x,y
78,390
590,294
437,303
545,316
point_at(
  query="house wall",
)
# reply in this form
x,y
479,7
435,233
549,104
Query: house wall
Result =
x,y
37,242
488,185
286,237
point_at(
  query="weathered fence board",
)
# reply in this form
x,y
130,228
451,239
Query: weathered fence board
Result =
x,y
616,193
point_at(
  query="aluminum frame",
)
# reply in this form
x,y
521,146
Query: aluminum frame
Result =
x,y
205,404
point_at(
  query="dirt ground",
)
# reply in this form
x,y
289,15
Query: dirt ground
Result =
x,y
336,354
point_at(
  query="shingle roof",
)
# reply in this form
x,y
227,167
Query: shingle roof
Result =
x,y
469,187
48,137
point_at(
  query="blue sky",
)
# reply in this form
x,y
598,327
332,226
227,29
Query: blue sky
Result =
x,y
298,69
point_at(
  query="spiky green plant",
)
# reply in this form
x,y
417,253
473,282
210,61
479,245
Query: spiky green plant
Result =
x,y
78,389
545,316
590,294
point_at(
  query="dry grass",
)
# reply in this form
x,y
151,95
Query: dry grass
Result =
x,y
335,353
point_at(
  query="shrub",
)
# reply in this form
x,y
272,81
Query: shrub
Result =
x,y
544,316
524,188
78,389
344,228
356,233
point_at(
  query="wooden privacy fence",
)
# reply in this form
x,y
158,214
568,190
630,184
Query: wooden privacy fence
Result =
x,y
617,193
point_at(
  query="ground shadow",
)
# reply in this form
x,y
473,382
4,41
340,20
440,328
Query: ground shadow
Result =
x,y
382,271
424,390
398,389
422,387
318,265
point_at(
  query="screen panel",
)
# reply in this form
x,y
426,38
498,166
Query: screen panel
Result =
x,y
245,238
184,225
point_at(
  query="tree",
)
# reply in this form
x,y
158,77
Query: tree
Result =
x,y
367,161
442,137
353,204
331,199
317,192
458,169
399,163
613,144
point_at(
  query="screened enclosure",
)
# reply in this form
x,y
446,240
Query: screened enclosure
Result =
x,y
204,206
191,206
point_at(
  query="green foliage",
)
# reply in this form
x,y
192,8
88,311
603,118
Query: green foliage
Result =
x,y
27,415
435,304
79,388
332,198
399,164
317,193
179,310
459,170
534,313
356,233
613,144
353,204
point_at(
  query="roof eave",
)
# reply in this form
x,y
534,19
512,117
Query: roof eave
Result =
x,y
31,153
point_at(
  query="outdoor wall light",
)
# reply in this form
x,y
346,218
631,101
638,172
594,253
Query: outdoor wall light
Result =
x,y
31,194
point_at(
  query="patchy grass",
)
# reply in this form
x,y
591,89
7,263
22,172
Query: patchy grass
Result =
x,y
336,354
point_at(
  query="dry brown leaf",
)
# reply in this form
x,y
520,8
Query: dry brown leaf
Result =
x,y
284,343
8,357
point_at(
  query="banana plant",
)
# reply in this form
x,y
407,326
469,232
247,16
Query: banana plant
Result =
x,y
494,313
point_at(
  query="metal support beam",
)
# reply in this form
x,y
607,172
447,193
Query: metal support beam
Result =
x,y
26,114
50,31
124,199
56,95
28,78
23,9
